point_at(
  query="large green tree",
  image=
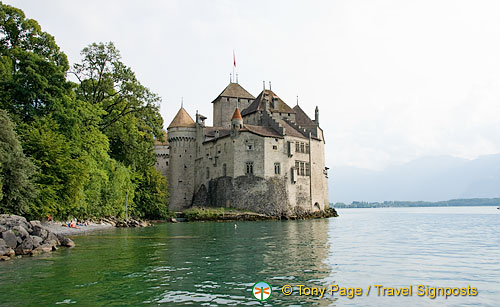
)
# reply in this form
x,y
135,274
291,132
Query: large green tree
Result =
x,y
91,141
17,189
130,119
31,65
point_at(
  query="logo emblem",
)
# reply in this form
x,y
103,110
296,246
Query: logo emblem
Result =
x,y
261,291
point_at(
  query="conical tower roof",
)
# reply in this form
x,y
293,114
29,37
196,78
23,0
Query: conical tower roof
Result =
x,y
237,114
182,119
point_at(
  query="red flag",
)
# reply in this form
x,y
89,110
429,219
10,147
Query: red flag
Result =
x,y
234,59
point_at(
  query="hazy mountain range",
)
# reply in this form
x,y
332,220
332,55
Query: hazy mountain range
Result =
x,y
430,179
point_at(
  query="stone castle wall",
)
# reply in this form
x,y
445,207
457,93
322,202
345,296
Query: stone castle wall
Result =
x,y
267,196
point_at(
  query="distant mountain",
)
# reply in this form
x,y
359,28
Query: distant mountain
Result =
x,y
429,179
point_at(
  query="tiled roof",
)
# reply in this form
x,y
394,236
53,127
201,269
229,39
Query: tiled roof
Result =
x,y
234,90
291,131
270,97
182,119
302,119
262,131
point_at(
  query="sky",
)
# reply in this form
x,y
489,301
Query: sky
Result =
x,y
394,80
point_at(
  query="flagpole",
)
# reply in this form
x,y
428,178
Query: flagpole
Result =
x,y
234,65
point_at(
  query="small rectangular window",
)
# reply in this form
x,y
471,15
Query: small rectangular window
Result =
x,y
275,147
277,168
249,168
297,147
302,147
308,169
249,147
302,171
224,170
208,173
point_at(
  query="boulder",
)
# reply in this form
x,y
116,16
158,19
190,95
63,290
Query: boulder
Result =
x,y
40,231
67,242
35,223
10,238
20,231
3,228
37,241
45,248
25,247
6,251
53,237
53,243
4,258
27,243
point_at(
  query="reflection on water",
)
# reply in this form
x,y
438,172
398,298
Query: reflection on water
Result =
x,y
217,264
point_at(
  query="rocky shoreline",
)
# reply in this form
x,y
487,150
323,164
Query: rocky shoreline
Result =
x,y
248,216
18,237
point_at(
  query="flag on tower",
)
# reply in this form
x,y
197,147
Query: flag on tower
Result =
x,y
234,59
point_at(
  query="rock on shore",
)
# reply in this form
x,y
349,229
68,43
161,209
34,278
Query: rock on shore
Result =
x,y
20,237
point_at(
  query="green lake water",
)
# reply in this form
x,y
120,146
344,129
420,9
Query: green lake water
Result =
x,y
210,264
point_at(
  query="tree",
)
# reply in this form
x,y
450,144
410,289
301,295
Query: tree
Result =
x,y
17,189
90,142
130,119
31,65
107,82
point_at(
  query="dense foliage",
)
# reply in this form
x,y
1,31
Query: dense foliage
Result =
x,y
89,144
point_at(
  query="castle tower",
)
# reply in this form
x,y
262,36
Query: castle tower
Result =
x,y
234,95
182,140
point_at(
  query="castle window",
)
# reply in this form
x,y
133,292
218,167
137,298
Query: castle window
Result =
x,y
302,172
297,147
277,168
224,171
307,148
249,147
208,173
166,163
302,147
275,147
288,114
249,168
308,169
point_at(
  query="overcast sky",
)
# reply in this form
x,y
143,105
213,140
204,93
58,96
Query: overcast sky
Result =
x,y
394,80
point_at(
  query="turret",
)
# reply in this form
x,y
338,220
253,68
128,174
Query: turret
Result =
x,y
237,120
182,140
316,115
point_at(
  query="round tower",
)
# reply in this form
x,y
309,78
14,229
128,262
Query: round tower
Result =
x,y
182,140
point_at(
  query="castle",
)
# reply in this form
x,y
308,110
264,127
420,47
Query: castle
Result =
x,y
260,155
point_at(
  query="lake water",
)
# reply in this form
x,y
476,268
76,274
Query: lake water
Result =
x,y
207,263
